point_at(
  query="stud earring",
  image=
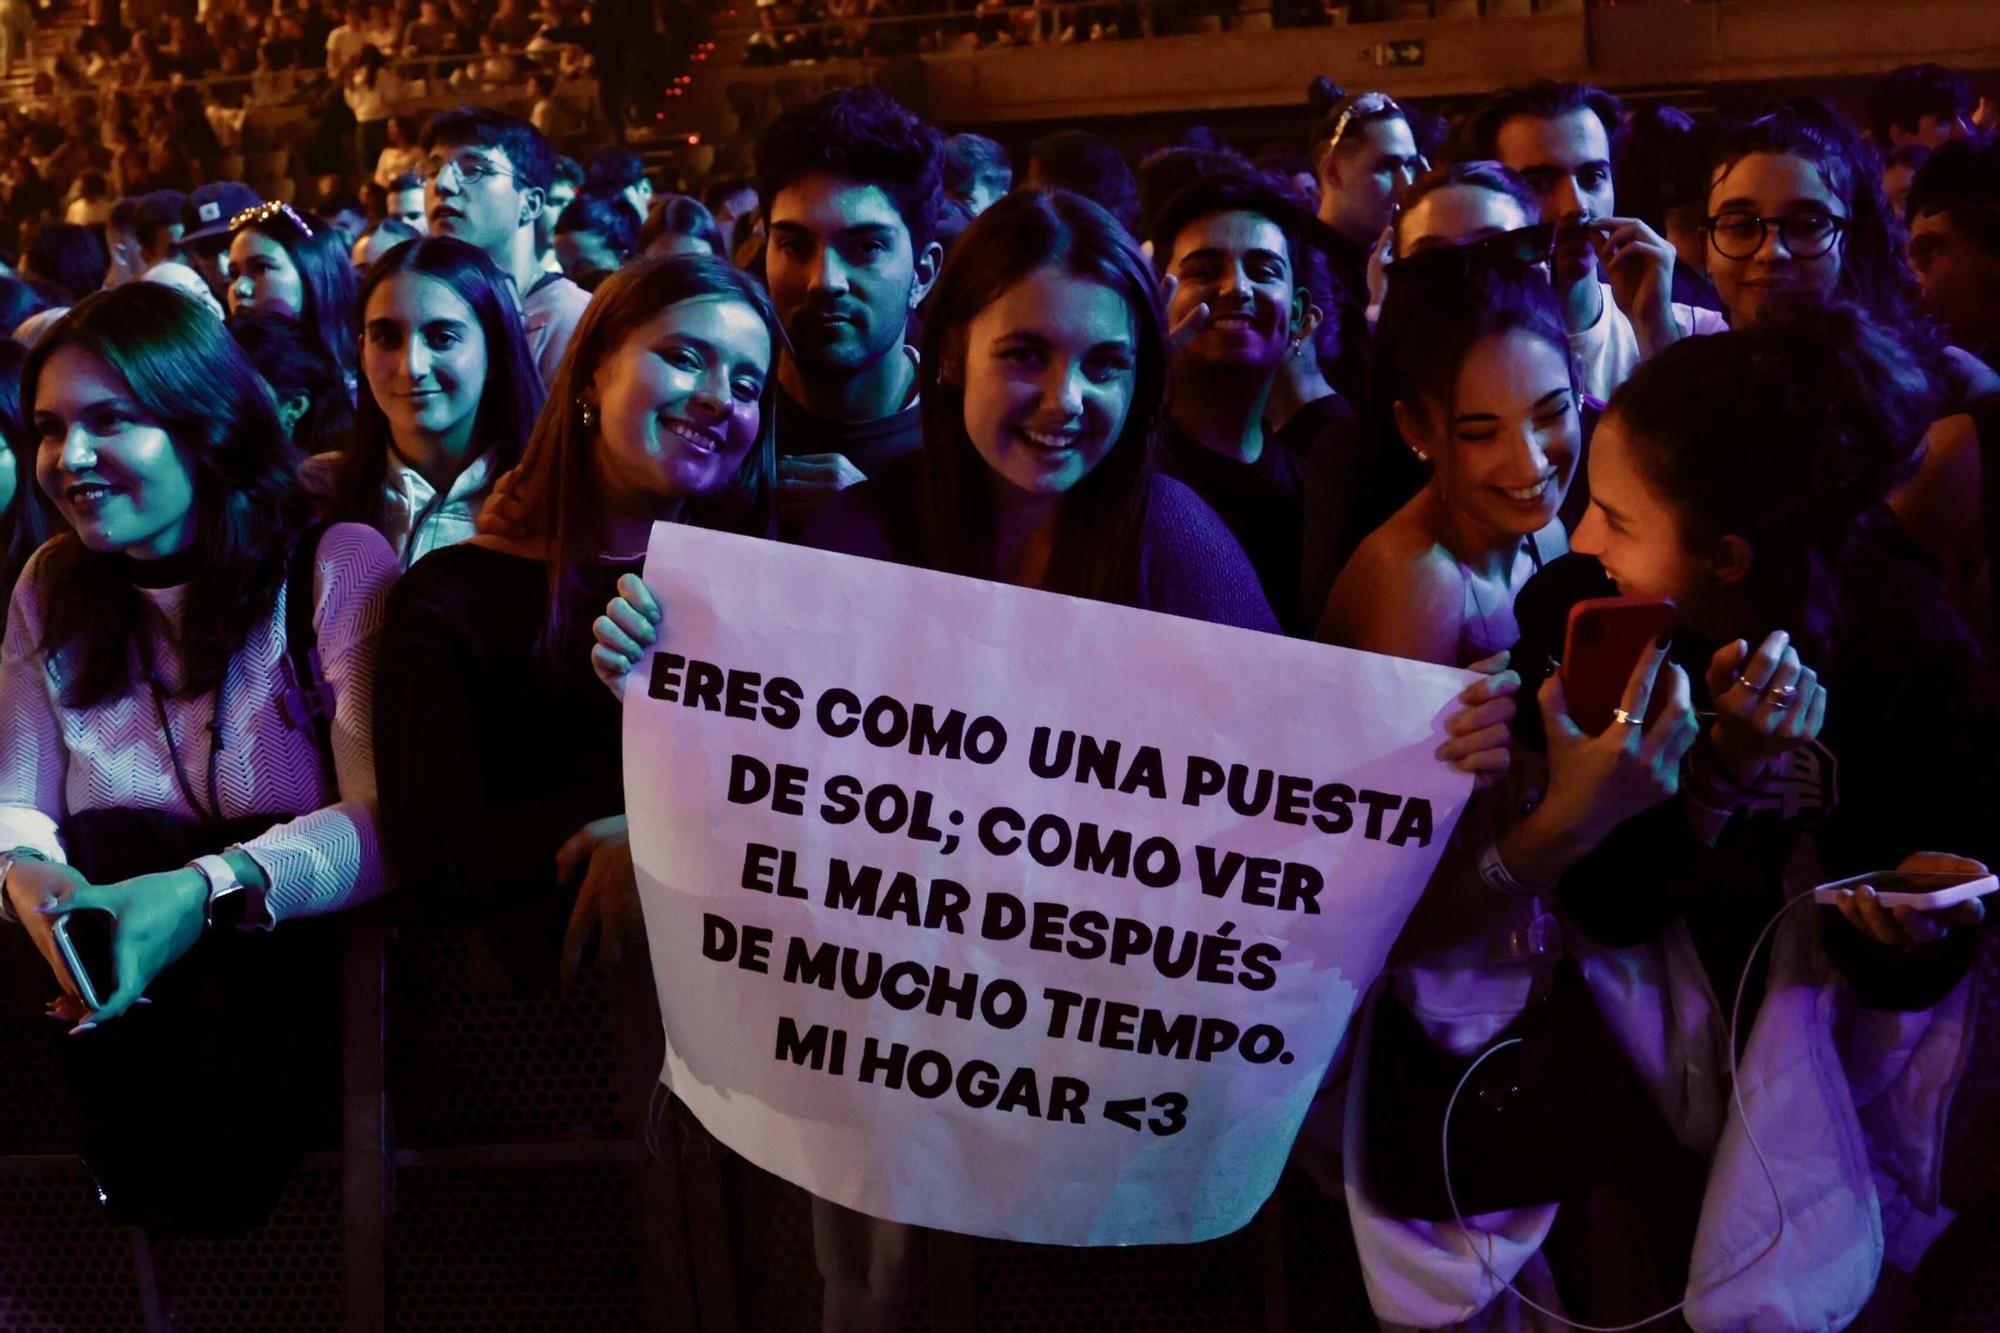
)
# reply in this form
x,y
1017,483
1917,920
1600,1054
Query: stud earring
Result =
x,y
587,414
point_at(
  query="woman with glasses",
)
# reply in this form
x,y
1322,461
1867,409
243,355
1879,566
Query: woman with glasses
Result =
x,y
284,262
1795,218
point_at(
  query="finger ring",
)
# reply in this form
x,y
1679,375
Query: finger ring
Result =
x,y
1782,696
1629,719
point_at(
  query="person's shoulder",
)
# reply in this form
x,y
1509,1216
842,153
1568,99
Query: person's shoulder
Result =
x,y
353,553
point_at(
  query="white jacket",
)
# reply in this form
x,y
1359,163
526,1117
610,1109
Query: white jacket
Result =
x,y
1848,1105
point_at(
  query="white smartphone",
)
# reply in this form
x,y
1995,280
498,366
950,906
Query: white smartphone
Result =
x,y
1930,890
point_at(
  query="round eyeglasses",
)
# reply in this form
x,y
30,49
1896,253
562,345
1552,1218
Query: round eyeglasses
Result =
x,y
1739,234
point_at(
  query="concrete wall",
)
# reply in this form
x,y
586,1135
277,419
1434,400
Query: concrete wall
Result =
x,y
1628,46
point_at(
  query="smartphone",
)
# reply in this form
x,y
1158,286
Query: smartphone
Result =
x,y
83,937
1604,642
1931,890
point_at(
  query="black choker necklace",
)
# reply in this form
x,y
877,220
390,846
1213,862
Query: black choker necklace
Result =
x,y
169,571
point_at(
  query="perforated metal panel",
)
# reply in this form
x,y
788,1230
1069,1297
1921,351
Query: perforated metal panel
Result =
x,y
550,1247
285,1273
474,1059
33,1109
61,1267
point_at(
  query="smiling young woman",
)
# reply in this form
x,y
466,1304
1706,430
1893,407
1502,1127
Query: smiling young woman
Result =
x,y
448,392
503,790
158,762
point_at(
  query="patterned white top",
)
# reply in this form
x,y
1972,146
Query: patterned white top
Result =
x,y
56,760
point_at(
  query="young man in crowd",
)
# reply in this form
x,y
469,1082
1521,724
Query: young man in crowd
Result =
x,y
1954,216
345,212
1614,274
406,201
616,167
564,181
487,180
1920,104
157,228
728,198
1229,243
977,173
205,217
1364,155
851,185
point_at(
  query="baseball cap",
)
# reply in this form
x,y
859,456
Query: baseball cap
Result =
x,y
210,207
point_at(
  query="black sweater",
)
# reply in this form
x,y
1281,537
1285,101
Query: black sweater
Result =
x,y
1913,735
488,759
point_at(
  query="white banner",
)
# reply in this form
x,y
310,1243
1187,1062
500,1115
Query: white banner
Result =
x,y
1008,913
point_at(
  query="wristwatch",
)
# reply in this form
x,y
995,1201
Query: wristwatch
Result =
x,y
228,896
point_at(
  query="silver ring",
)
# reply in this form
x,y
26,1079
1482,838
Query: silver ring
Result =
x,y
1630,720
1782,697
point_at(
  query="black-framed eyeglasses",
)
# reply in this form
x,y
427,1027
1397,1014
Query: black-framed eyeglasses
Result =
x,y
471,170
1740,234
1522,247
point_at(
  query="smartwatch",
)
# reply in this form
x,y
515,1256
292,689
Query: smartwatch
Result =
x,y
228,897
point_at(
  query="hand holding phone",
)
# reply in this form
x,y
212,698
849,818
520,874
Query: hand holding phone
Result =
x,y
1915,903
83,937
1606,638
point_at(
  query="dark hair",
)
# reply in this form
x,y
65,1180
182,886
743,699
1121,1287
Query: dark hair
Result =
x,y
26,523
1789,435
155,213
92,185
1483,174
292,360
1086,164
971,160
1103,515
1661,164
603,209
69,258
507,404
1541,99
125,214
1166,172
394,227
408,180
719,189
1327,102
1229,192
614,167
683,215
326,277
1903,97
565,169
1872,271
528,153
1431,320
1964,180
552,493
185,374
19,299
861,134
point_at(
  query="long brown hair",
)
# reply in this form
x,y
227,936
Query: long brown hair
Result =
x,y
552,496
1100,519
189,377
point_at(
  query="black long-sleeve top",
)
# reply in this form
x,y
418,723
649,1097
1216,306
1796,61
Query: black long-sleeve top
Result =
x,y
1913,736
489,759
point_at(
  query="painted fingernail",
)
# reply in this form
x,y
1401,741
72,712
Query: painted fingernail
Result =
x,y
85,1026
47,906
141,1000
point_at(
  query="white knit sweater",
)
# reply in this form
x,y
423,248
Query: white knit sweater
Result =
x,y
56,760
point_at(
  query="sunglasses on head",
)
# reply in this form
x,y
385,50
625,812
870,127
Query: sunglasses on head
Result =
x,y
1522,247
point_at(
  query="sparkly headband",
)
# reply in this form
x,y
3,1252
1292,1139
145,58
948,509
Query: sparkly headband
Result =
x,y
265,212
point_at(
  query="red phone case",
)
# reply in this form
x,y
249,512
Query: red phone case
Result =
x,y
1605,639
